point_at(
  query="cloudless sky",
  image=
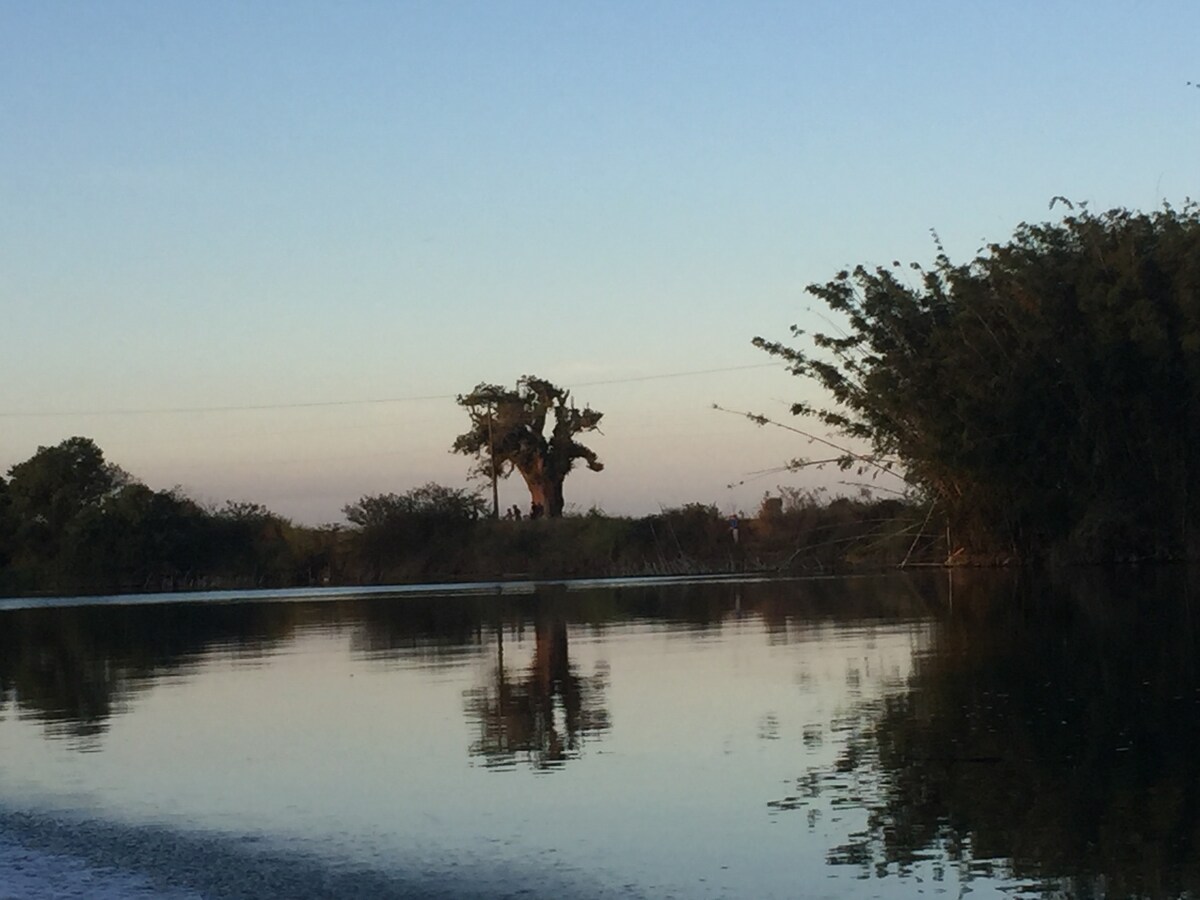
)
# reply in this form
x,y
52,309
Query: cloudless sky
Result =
x,y
256,204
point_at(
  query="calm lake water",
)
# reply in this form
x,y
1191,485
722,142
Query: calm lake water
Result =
x,y
865,737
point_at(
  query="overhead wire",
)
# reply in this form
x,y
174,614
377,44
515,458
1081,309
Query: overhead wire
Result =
x,y
316,404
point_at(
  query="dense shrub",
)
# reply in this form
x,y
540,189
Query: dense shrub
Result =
x,y
1045,396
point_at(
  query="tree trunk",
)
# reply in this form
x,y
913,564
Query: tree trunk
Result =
x,y
553,492
545,494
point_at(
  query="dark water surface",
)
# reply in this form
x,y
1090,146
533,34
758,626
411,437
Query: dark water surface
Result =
x,y
868,737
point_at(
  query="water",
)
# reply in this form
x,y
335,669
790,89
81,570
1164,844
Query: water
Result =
x,y
870,737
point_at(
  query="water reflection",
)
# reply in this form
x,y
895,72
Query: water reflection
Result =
x,y
1048,735
543,713
1013,734
1044,737
73,668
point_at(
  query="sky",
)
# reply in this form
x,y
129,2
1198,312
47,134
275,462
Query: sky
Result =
x,y
255,249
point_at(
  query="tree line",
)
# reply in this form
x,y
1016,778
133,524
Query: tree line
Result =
x,y
75,669
71,521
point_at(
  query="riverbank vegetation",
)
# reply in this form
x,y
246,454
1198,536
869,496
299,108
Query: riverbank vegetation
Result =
x,y
70,521
1041,402
1043,398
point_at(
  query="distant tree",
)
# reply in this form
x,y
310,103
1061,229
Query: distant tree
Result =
x,y
53,489
137,538
413,531
430,501
1045,396
57,481
245,511
71,520
247,543
508,432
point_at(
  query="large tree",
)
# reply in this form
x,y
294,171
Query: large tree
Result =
x,y
508,431
70,520
53,491
1046,395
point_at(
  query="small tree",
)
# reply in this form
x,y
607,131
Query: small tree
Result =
x,y
508,432
421,528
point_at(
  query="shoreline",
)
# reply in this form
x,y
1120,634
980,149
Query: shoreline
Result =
x,y
421,589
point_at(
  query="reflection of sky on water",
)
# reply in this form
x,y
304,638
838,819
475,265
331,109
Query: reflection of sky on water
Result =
x,y
828,738
356,739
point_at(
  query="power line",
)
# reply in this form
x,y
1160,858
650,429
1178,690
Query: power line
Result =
x,y
173,410
677,375
317,404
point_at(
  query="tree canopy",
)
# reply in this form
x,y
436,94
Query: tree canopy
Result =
x,y
70,520
508,432
414,533
1043,395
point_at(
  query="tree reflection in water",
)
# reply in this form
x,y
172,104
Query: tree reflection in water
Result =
x,y
1050,734
74,668
543,714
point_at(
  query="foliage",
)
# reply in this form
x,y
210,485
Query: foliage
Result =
x,y
53,490
430,501
803,530
136,536
1044,395
69,520
251,540
695,530
7,526
414,532
113,534
508,433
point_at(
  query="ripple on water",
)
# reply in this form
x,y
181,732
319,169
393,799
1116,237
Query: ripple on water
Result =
x,y
44,857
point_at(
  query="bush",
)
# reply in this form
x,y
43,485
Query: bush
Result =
x,y
1046,396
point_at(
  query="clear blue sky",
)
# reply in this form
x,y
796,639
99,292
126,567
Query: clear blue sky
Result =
x,y
236,204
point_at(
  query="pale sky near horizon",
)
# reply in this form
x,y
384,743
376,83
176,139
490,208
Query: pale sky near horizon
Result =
x,y
257,204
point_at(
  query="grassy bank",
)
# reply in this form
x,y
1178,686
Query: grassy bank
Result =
x,y
426,545
694,539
